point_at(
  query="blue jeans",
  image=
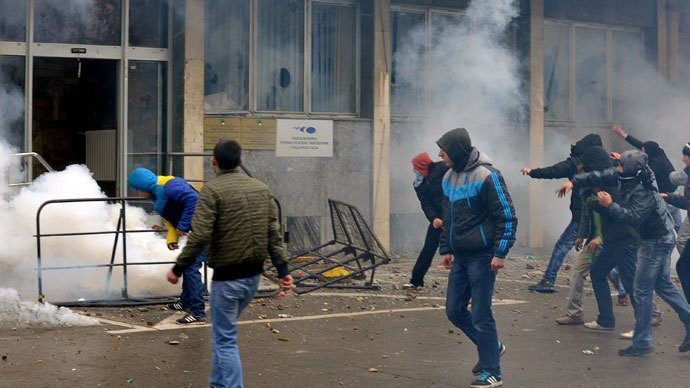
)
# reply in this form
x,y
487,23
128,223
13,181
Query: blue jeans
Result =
x,y
620,255
654,274
193,288
616,278
472,277
228,299
563,246
676,215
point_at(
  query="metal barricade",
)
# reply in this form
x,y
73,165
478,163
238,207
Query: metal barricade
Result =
x,y
121,229
355,242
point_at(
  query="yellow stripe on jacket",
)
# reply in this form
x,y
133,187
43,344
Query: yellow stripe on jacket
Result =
x,y
172,231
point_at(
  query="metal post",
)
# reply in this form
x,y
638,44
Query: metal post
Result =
x,y
112,256
124,249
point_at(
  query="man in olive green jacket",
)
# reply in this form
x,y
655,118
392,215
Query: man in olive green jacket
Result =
x,y
236,220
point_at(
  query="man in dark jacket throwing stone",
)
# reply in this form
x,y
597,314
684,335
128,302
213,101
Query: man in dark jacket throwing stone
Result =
x,y
479,225
237,219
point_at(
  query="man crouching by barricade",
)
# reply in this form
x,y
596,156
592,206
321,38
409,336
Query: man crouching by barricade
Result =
x,y
237,219
479,228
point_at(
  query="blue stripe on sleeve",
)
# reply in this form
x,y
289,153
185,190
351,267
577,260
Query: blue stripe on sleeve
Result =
x,y
502,246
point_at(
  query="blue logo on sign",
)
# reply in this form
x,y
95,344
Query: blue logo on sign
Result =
x,y
308,130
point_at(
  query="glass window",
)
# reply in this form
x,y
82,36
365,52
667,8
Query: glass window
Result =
x,y
590,74
280,55
556,72
148,23
13,20
146,115
407,77
226,70
333,66
628,55
78,21
12,79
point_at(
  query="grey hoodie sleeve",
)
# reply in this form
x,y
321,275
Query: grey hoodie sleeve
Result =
x,y
678,178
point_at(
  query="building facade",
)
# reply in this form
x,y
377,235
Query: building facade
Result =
x,y
118,84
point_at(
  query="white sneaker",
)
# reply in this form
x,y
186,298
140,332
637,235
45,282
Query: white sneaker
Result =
x,y
595,326
627,335
408,286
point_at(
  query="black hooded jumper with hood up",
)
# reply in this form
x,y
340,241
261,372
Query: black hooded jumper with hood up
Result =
x,y
568,168
478,213
658,162
640,204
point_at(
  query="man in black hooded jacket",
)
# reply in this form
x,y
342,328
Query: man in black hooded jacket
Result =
x,y
660,165
683,201
642,207
564,169
479,225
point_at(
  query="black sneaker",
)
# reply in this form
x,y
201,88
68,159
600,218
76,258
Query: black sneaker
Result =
x,y
685,346
477,370
544,286
177,306
487,380
189,318
632,351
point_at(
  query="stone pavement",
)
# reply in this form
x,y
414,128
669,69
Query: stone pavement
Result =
x,y
387,338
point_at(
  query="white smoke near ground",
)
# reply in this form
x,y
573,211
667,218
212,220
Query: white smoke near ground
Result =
x,y
18,259
18,255
16,313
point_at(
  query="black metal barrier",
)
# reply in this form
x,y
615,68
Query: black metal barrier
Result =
x,y
353,242
121,229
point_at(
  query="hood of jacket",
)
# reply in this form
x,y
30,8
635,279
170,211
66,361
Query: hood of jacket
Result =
x,y
477,158
633,162
577,148
596,159
143,179
457,144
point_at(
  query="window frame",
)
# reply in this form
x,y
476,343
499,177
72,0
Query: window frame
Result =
x,y
572,26
428,28
306,111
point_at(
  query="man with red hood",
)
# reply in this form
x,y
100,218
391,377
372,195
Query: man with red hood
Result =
x,y
427,185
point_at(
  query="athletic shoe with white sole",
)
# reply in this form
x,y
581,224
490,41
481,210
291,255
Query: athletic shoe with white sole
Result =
x,y
487,380
477,370
189,318
627,335
595,326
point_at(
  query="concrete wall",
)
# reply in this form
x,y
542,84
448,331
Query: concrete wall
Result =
x,y
304,185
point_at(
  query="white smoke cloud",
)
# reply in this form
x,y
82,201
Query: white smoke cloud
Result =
x,y
15,313
18,259
473,75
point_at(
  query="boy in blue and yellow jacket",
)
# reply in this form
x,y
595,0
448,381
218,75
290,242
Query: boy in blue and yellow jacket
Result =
x,y
175,199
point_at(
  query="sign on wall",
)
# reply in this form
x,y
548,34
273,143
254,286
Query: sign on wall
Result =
x,y
304,138
252,134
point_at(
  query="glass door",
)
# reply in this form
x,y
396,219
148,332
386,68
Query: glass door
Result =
x,y
147,115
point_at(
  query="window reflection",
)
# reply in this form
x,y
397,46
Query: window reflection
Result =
x,y
280,55
13,20
78,21
148,23
226,70
334,34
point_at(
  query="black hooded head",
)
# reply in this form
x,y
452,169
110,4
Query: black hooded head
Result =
x,y
652,149
596,159
634,162
577,148
686,149
458,145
